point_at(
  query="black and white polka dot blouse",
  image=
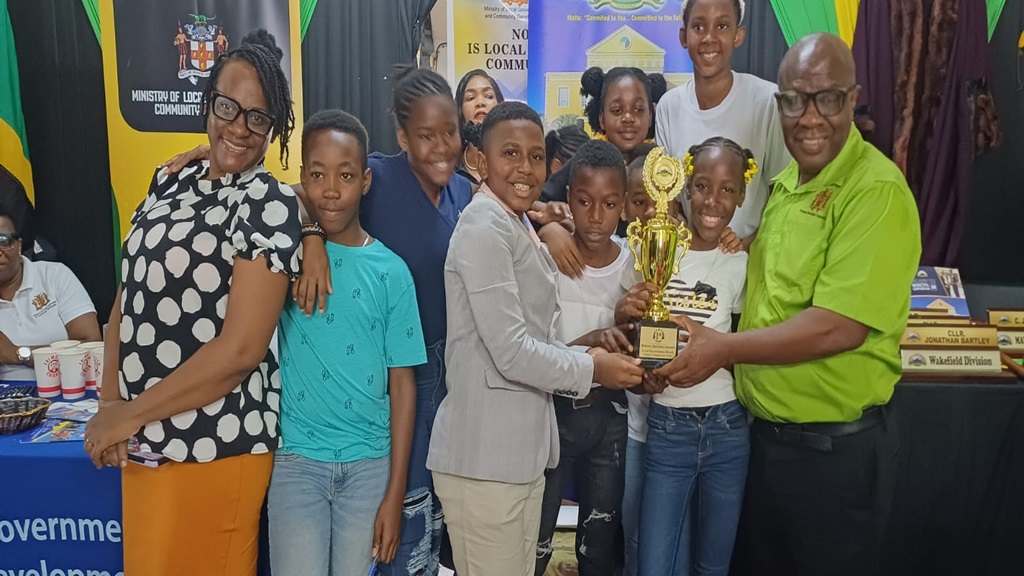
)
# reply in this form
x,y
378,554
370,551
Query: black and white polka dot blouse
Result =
x,y
175,275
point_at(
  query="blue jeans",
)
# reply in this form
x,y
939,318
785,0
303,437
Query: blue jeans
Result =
x,y
636,456
422,518
693,489
322,514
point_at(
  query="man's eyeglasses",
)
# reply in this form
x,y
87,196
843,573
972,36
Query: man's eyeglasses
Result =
x,y
8,240
793,103
227,109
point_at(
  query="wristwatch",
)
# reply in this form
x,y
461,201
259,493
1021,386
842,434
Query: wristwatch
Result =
x,y
24,354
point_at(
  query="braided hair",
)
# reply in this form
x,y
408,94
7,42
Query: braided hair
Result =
x,y
563,143
739,5
595,83
744,154
411,84
260,50
598,154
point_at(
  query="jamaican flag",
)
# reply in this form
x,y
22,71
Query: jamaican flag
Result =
x,y
13,146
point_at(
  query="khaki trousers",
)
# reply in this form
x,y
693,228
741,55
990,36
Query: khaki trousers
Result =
x,y
493,526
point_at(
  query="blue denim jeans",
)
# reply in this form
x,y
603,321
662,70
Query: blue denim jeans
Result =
x,y
636,456
422,518
321,515
693,489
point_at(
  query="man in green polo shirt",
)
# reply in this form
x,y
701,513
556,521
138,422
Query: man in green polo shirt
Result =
x,y
817,354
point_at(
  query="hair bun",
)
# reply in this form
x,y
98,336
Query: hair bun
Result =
x,y
261,37
471,133
591,82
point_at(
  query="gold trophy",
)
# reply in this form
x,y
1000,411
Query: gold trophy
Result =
x,y
658,246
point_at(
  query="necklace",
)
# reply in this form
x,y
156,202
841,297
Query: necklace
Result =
x,y
711,267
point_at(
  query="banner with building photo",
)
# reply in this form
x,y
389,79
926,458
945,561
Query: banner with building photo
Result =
x,y
491,35
157,56
569,36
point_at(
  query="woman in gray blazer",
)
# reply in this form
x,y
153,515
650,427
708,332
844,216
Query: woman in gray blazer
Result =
x,y
495,432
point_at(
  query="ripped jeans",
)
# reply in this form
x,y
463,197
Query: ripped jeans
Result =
x,y
593,452
422,518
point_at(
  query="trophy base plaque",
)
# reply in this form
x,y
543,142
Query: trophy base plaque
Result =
x,y
655,343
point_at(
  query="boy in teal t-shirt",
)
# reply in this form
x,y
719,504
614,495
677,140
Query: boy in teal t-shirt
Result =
x,y
348,391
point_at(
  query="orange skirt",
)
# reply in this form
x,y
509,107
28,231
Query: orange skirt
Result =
x,y
186,519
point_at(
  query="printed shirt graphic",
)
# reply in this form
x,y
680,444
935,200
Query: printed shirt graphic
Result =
x,y
335,364
175,277
709,289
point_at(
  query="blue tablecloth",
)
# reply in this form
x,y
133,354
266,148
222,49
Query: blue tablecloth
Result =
x,y
59,515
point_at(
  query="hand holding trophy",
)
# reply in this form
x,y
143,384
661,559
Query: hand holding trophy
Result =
x,y
658,246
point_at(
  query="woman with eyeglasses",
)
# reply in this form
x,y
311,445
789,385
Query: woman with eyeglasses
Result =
x,y
40,303
190,372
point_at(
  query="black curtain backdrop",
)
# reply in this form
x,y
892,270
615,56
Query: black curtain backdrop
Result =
x,y
61,72
992,241
765,45
347,56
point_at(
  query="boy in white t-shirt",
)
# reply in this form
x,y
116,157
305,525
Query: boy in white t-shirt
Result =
x,y
720,102
697,440
591,430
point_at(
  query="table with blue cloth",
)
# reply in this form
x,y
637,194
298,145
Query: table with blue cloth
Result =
x,y
59,515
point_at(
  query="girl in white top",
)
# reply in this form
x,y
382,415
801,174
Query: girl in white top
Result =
x,y
720,102
697,439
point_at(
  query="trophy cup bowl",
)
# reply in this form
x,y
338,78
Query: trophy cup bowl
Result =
x,y
658,246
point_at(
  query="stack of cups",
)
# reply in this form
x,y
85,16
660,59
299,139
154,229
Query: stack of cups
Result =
x,y
47,365
94,379
74,369
65,344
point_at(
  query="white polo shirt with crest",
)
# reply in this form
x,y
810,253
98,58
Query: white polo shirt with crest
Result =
x,y
50,296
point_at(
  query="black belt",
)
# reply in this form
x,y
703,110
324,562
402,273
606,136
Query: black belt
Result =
x,y
598,395
818,436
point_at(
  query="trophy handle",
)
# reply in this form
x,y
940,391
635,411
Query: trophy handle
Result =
x,y
683,239
634,237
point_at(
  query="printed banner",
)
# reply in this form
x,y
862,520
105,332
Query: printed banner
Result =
x,y
569,36
490,35
157,56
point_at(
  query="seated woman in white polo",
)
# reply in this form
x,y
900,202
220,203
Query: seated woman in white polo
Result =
x,y
40,303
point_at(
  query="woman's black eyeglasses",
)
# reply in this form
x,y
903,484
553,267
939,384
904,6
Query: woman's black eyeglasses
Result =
x,y
227,109
8,240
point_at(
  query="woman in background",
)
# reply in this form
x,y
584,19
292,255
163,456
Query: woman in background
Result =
x,y
476,94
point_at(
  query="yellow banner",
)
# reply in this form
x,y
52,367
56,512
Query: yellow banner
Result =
x,y
156,59
491,35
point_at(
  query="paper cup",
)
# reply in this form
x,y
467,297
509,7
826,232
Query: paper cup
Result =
x,y
97,367
47,366
65,344
94,354
75,368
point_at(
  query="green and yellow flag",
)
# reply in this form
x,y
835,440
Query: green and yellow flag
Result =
x,y
13,145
